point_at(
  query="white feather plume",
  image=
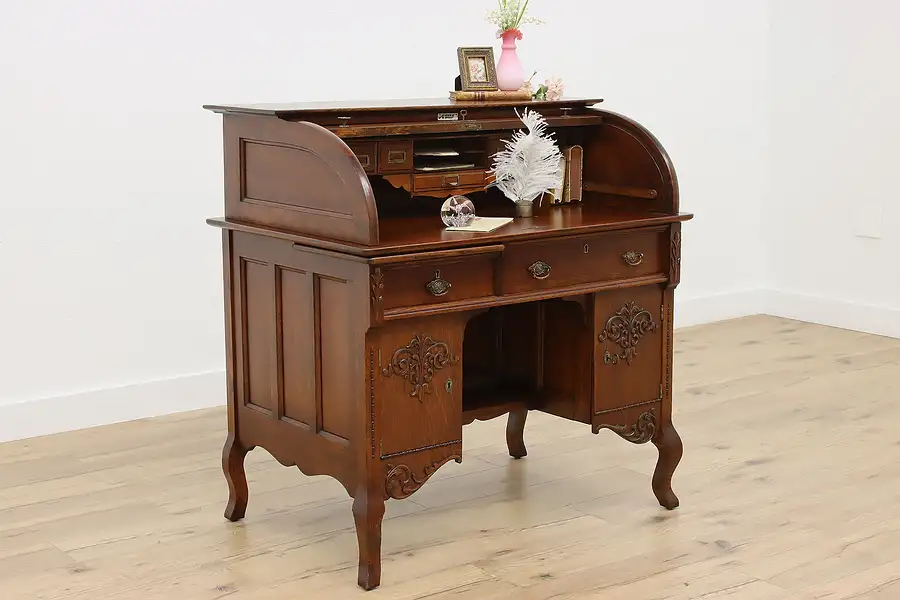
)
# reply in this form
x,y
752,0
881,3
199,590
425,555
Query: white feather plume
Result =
x,y
530,163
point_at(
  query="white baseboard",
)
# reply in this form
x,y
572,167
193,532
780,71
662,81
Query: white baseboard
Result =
x,y
205,390
718,307
111,405
878,320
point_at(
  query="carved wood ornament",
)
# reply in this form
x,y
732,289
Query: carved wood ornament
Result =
x,y
675,256
639,433
626,328
417,363
377,283
401,482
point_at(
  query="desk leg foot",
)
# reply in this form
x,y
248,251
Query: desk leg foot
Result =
x,y
670,449
233,466
515,433
368,512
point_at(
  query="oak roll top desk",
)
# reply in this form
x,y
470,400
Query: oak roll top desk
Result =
x,y
361,335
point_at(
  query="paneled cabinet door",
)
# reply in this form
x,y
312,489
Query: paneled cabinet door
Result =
x,y
418,386
629,334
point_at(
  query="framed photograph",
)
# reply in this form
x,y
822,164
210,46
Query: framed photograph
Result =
x,y
477,70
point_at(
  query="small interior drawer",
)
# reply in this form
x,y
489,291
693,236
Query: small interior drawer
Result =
x,y
395,156
582,260
448,180
366,154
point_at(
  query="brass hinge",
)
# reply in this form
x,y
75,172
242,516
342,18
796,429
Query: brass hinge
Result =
x,y
660,391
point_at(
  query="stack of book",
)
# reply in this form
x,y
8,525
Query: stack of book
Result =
x,y
569,189
491,95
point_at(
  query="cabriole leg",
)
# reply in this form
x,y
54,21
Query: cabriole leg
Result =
x,y
233,466
670,449
368,512
515,431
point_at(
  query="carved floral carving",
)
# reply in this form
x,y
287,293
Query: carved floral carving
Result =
x,y
626,328
639,433
401,482
417,363
675,256
377,284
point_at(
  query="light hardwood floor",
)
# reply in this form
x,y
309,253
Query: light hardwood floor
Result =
x,y
789,487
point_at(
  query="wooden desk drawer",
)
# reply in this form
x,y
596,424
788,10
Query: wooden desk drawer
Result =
x,y
581,260
445,278
447,181
366,154
395,156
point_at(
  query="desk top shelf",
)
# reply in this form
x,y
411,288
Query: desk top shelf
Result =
x,y
293,111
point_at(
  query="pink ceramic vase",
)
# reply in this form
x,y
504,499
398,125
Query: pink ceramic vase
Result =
x,y
510,74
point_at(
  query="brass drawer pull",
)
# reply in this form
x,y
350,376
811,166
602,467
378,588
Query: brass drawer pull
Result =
x,y
448,183
633,258
539,270
345,121
364,160
438,286
396,157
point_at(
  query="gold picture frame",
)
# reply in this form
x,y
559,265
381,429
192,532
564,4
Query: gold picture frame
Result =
x,y
477,70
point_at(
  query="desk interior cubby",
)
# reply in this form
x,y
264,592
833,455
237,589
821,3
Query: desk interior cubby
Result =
x,y
527,356
442,166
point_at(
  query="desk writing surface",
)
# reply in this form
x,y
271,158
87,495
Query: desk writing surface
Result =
x,y
425,233
417,234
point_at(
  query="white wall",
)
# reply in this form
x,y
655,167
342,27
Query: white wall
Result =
x,y
110,281
835,144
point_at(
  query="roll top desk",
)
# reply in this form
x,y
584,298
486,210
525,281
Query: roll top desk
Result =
x,y
361,335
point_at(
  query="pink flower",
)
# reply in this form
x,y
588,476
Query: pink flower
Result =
x,y
554,89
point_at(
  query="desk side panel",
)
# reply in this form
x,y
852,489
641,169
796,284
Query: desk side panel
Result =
x,y
299,325
298,177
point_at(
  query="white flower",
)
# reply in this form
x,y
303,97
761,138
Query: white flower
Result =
x,y
510,14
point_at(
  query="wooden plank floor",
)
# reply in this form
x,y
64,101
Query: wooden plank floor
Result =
x,y
789,490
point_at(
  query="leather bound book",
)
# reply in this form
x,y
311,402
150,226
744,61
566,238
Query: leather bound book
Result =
x,y
556,194
487,96
574,165
569,190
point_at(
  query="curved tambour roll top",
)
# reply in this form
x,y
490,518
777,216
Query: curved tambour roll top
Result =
x,y
291,170
625,163
299,177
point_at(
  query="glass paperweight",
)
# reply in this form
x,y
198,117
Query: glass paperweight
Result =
x,y
457,211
